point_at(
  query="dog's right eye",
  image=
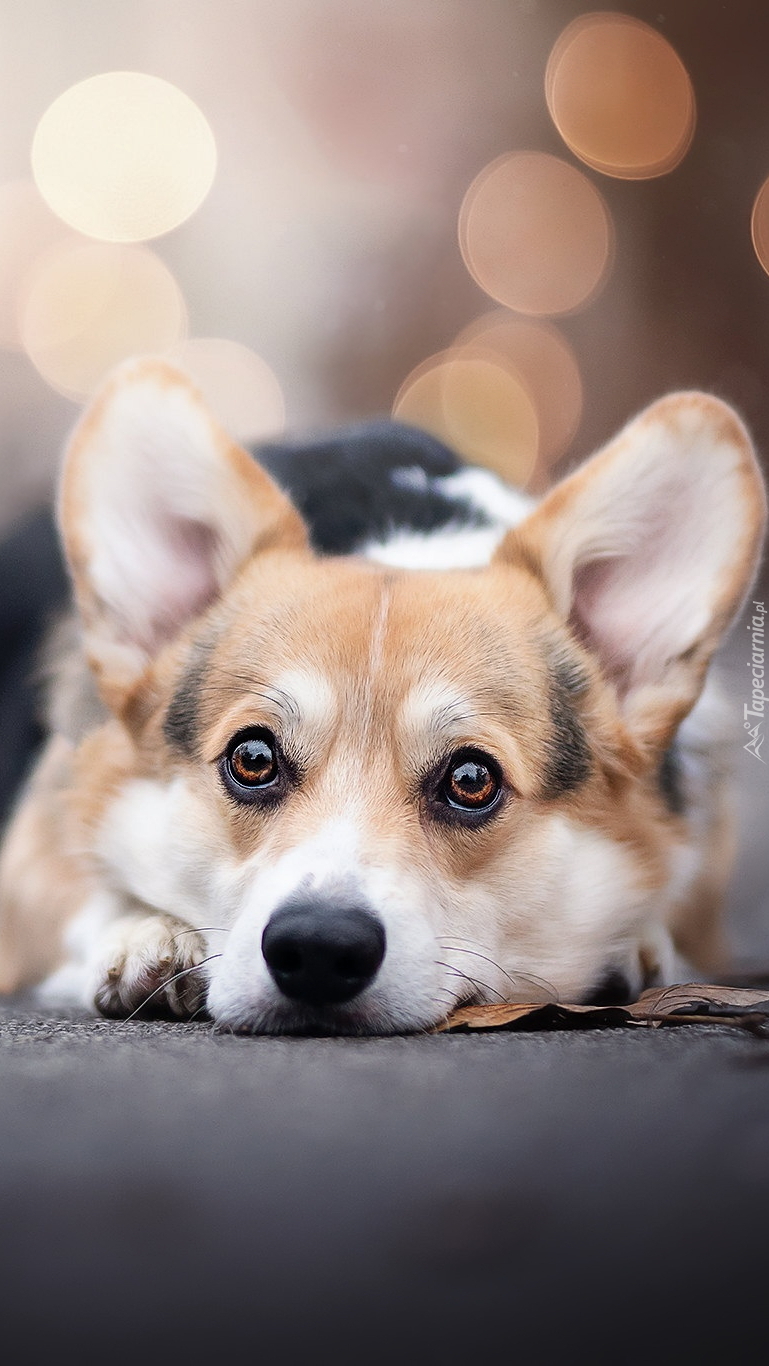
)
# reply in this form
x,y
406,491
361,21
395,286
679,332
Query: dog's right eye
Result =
x,y
468,790
251,765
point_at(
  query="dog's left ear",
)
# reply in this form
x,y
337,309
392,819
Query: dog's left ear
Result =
x,y
648,551
158,510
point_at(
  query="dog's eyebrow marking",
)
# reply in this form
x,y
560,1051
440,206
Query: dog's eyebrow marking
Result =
x,y
180,726
569,759
434,708
305,695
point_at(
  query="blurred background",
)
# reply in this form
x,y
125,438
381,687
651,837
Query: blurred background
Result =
x,y
513,222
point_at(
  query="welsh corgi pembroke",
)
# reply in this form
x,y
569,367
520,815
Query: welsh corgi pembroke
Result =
x,y
470,759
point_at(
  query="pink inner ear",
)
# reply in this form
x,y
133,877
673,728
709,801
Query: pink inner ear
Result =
x,y
654,542
633,610
620,614
184,576
596,622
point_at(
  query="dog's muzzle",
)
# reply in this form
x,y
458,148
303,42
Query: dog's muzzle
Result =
x,y
321,951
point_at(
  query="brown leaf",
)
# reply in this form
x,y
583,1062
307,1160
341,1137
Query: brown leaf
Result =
x,y
535,1015
689,1003
698,998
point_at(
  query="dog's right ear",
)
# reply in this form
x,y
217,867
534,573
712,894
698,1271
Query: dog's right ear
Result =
x,y
648,551
158,511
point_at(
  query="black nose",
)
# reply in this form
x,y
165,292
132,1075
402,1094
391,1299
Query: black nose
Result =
x,y
322,952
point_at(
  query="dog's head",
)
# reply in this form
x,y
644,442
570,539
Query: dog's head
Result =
x,y
382,792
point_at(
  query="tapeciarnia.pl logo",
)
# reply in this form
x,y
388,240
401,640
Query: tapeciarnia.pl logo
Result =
x,y
754,711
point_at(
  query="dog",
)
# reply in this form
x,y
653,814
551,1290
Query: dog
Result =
x,y
342,763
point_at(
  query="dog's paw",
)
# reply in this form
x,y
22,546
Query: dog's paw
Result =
x,y
150,963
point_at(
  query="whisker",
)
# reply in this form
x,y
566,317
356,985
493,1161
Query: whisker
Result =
x,y
183,972
449,1001
474,981
475,954
522,977
242,684
540,982
203,929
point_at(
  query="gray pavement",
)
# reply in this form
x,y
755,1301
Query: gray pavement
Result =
x,y
594,1196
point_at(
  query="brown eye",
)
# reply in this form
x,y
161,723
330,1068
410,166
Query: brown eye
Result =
x,y
251,760
471,782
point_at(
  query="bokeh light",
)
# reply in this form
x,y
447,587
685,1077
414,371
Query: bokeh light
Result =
x,y
620,96
547,366
239,387
123,156
535,234
478,407
759,225
27,228
89,305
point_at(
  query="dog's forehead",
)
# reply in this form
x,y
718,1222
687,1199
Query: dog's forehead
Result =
x,y
325,632
380,665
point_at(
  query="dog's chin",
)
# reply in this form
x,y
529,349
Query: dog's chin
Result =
x,y
351,1020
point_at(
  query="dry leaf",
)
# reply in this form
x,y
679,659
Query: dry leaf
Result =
x,y
690,1003
701,999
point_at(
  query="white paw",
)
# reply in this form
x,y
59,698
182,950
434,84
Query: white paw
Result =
x,y
150,961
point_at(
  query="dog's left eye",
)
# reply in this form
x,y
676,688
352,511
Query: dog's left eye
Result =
x,y
471,782
250,762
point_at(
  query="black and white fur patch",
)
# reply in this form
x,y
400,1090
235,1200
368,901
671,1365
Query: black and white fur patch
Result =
x,y
371,488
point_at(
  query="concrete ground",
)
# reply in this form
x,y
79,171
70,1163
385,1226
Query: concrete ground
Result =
x,y
170,1193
